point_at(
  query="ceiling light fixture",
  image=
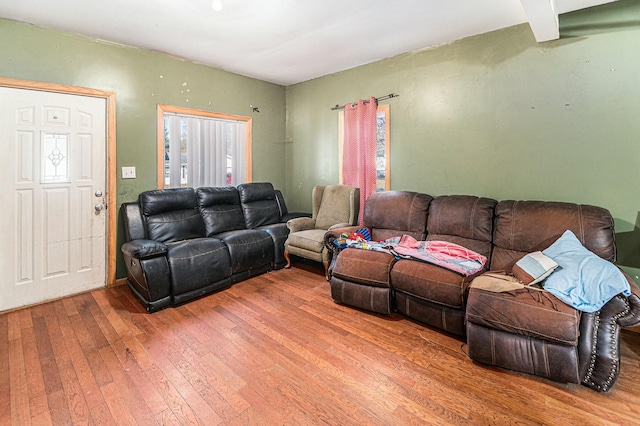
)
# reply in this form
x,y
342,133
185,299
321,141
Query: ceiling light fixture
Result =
x,y
216,5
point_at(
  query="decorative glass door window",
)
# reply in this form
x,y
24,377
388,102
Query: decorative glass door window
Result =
x,y
55,152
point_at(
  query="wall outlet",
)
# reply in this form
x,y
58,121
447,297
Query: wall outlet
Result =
x,y
128,173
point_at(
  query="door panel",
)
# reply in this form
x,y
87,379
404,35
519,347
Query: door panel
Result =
x,y
54,176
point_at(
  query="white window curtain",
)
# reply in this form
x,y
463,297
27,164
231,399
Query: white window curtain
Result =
x,y
238,153
205,152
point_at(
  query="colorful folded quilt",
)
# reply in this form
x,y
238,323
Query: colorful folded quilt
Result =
x,y
448,255
442,253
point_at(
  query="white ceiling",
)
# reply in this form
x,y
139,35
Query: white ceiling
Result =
x,y
289,41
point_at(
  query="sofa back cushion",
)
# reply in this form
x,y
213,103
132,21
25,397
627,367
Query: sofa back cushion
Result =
x,y
171,214
522,227
220,209
462,219
394,213
259,204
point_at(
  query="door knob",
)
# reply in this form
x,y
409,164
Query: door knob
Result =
x,y
99,207
98,193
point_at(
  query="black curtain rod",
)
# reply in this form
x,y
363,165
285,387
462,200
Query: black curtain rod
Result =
x,y
382,98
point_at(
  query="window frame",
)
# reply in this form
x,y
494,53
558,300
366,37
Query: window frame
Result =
x,y
385,109
170,109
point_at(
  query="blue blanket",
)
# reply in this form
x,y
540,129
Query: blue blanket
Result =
x,y
582,280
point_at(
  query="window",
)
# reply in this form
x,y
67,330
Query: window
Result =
x,y
54,159
202,148
383,181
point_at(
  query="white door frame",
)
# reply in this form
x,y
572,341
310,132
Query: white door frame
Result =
x,y
110,98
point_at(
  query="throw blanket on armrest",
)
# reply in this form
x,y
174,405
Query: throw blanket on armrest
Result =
x,y
441,253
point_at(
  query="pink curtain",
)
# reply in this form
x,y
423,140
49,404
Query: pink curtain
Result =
x,y
359,148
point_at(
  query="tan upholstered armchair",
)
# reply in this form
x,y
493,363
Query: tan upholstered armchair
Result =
x,y
334,206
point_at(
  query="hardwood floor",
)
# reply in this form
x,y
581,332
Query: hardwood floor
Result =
x,y
269,351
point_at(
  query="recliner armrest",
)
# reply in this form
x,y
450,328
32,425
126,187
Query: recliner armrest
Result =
x,y
334,233
144,249
329,238
301,224
286,218
631,318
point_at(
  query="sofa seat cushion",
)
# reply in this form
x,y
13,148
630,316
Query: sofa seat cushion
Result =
x,y
197,263
311,239
364,267
248,248
430,282
527,312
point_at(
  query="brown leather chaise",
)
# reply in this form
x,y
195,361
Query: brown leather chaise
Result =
x,y
534,332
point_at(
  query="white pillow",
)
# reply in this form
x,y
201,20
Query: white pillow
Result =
x,y
533,268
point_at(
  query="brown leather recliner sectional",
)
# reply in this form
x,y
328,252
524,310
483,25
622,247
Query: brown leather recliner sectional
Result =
x,y
522,330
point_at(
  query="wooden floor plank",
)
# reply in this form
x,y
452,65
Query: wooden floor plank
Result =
x,y
99,410
35,383
19,395
274,349
186,404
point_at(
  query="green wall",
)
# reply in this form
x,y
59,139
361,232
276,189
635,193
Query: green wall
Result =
x,y
497,115
142,79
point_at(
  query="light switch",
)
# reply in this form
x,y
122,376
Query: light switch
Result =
x,y
128,173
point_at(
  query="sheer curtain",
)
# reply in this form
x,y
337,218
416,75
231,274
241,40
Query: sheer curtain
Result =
x,y
238,153
173,131
205,152
359,148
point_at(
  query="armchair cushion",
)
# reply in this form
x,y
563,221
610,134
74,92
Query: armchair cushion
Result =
x,y
310,239
337,206
334,206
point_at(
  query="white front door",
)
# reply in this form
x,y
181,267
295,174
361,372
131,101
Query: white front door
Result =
x,y
52,189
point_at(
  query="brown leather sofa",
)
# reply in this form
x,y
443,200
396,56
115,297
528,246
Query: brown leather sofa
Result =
x,y
532,333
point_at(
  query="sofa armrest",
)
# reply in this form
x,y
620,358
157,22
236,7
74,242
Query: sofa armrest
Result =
x,y
287,217
631,318
335,232
329,237
144,249
301,224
